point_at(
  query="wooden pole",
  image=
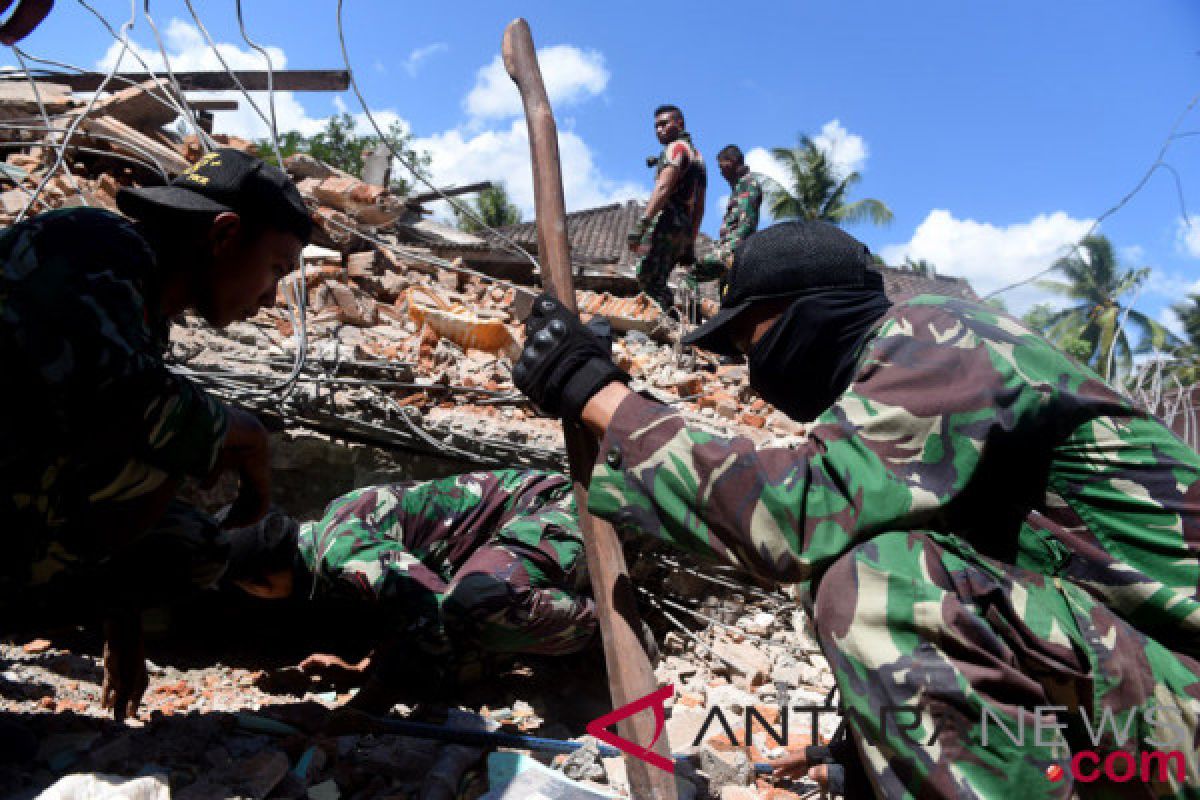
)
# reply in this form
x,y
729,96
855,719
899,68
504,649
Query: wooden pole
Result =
x,y
630,675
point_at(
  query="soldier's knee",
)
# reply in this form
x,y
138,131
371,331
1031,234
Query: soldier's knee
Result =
x,y
844,588
473,598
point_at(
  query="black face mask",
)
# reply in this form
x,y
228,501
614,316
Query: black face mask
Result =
x,y
807,358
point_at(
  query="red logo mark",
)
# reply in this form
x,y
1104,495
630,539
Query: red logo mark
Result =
x,y
1054,772
654,701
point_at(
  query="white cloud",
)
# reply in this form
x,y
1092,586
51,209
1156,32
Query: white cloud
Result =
x,y
571,75
1188,236
463,154
412,64
188,51
760,160
460,157
991,256
847,151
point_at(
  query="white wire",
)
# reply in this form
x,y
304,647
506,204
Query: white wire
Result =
x,y
206,142
466,210
37,95
80,118
180,106
270,83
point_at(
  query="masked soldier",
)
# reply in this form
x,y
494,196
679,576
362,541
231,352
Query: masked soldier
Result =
x,y
95,431
461,567
666,233
980,524
741,214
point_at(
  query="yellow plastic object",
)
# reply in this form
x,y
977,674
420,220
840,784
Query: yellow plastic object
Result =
x,y
465,328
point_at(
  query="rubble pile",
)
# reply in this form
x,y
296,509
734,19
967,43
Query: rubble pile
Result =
x,y
404,350
218,731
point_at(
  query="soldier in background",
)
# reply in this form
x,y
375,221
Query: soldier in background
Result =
x,y
461,568
741,214
665,235
978,522
95,431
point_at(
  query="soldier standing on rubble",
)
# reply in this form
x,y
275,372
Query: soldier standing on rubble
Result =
x,y
461,568
978,522
665,235
95,431
741,214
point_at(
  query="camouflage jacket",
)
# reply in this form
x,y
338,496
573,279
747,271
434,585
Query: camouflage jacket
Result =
x,y
403,542
741,212
958,420
90,412
686,198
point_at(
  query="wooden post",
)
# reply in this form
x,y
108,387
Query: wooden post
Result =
x,y
630,675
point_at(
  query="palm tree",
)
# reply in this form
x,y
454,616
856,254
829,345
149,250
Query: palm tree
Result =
x,y
493,207
1188,353
1096,325
817,191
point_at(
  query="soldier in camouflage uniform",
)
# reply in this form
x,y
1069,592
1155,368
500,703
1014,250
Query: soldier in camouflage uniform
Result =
x,y
463,567
741,214
979,523
95,431
665,235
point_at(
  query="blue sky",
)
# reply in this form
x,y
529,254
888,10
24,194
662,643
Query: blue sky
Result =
x,y
995,131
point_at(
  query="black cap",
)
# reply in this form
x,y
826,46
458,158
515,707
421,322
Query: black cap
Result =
x,y
786,260
226,180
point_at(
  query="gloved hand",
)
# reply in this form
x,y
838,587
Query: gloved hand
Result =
x,y
564,361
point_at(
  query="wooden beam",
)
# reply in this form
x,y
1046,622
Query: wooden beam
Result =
x,y
630,676
214,105
291,80
449,191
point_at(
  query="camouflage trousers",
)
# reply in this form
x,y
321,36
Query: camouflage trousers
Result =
x,y
519,592
661,249
714,265
965,677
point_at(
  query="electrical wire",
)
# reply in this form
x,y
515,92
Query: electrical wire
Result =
x,y
508,242
1154,167
62,149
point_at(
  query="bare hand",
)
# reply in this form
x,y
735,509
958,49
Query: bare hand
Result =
x,y
247,450
327,665
125,675
793,766
27,16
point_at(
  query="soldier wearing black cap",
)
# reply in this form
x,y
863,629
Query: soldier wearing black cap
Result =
x,y
95,431
980,527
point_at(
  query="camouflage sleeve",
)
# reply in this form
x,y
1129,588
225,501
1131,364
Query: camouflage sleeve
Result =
x,y
80,317
353,549
748,203
894,453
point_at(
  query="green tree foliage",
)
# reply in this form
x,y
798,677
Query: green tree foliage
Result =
x,y
493,207
816,190
339,146
1095,325
1188,352
1040,319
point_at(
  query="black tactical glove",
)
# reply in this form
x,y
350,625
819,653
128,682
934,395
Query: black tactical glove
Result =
x,y
564,361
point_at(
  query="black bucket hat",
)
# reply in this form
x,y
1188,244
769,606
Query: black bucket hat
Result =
x,y
785,260
226,180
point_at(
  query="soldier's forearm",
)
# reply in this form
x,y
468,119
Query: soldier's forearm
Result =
x,y
662,191
599,411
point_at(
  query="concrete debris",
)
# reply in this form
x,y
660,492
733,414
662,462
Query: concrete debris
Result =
x,y
408,355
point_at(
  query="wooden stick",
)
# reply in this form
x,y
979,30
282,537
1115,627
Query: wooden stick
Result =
x,y
630,675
